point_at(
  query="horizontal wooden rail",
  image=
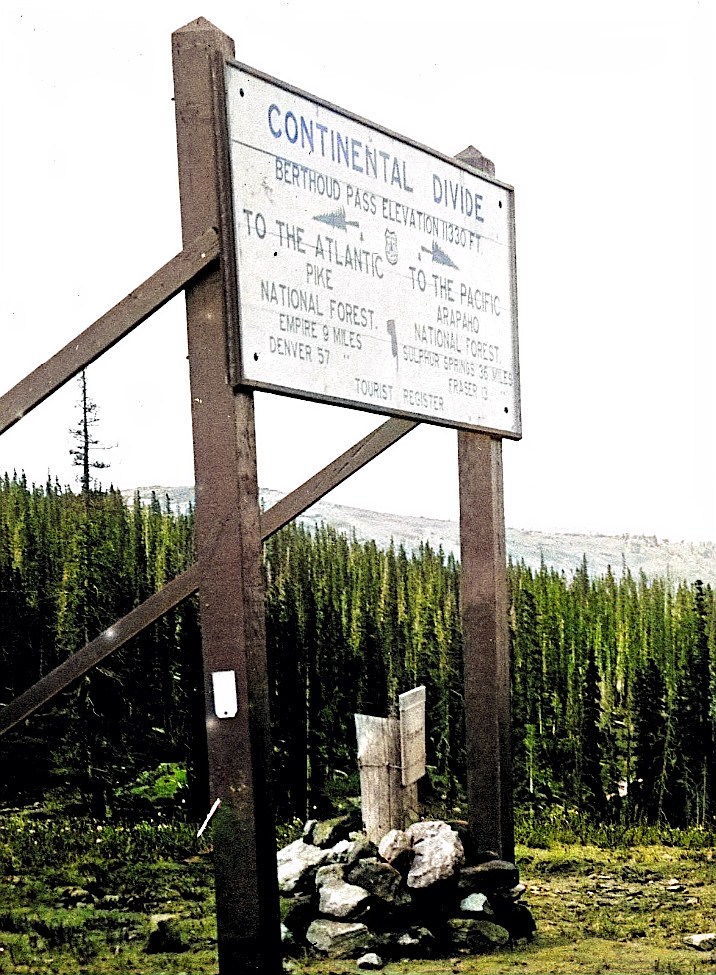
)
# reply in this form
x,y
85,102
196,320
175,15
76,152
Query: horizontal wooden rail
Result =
x,y
119,321
187,583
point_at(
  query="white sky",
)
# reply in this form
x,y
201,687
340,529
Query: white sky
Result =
x,y
601,115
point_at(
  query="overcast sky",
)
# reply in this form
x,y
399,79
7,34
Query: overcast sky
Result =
x,y
601,115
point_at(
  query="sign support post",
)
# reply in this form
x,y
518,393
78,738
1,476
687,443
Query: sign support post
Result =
x,y
486,638
486,653
228,541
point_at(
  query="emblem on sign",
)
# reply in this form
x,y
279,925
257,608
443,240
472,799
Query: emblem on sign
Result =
x,y
391,246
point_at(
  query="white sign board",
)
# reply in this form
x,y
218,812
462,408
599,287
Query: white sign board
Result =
x,y
412,734
372,272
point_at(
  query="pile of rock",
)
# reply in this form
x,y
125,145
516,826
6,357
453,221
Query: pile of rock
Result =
x,y
414,895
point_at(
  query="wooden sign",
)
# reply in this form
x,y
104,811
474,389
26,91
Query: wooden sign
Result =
x,y
412,735
385,803
372,272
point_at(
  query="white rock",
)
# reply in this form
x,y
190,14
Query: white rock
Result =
x,y
338,938
370,961
416,938
292,851
474,904
425,830
339,899
704,942
329,873
338,852
295,861
438,853
394,844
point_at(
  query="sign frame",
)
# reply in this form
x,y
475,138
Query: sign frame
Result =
x,y
242,312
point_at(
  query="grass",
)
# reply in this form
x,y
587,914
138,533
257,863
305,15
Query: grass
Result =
x,y
76,897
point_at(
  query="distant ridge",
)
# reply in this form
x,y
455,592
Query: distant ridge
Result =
x,y
562,551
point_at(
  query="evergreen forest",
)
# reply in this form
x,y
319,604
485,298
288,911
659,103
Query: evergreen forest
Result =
x,y
613,678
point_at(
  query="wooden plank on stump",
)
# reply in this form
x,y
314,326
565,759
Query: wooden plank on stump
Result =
x,y
386,804
411,706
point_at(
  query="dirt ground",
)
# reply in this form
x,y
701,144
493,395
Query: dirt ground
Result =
x,y
599,912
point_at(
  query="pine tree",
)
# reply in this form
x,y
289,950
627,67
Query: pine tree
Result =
x,y
654,743
86,442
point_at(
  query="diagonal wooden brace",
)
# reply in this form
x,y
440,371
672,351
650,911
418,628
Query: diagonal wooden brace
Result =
x,y
119,321
184,585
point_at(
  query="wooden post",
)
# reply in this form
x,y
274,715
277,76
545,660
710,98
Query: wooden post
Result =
x,y
385,802
484,606
228,537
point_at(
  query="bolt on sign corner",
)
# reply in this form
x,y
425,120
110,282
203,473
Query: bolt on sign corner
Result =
x,y
372,272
